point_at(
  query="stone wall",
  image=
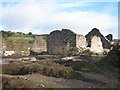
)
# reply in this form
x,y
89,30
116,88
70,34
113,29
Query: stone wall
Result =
x,y
80,41
96,45
40,42
109,37
59,41
95,32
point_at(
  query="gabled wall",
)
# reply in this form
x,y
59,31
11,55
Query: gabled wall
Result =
x,y
59,41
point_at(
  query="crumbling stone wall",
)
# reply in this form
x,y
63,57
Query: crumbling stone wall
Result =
x,y
58,41
109,37
95,32
80,41
40,42
96,45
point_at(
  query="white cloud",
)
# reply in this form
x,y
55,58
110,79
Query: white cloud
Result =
x,y
74,4
45,17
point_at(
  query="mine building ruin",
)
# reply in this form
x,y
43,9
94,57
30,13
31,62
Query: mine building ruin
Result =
x,y
106,43
59,41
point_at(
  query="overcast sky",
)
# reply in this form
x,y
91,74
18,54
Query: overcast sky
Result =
x,y
42,17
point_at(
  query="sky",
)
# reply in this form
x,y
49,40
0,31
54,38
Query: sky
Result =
x,y
42,17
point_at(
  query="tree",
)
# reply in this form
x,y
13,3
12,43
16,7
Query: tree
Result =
x,y
30,33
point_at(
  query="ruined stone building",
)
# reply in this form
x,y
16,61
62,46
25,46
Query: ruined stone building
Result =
x,y
106,41
58,40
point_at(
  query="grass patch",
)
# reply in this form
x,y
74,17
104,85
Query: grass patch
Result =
x,y
18,43
17,38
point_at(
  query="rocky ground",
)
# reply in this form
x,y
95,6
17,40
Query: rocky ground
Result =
x,y
103,79
52,82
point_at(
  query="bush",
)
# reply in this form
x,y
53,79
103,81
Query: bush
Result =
x,y
48,68
88,52
13,82
73,51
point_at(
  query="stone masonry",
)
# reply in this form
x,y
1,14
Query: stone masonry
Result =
x,y
58,41
96,45
95,32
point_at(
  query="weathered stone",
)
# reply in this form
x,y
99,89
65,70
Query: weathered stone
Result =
x,y
80,41
8,53
95,32
33,59
109,37
40,42
59,42
96,45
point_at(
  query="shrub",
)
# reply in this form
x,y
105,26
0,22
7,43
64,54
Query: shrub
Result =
x,y
13,82
88,52
73,51
48,68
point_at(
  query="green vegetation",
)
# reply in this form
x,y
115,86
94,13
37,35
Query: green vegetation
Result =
x,y
18,38
87,52
9,33
18,43
73,51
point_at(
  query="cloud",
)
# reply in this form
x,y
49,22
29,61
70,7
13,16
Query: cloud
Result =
x,y
47,16
74,4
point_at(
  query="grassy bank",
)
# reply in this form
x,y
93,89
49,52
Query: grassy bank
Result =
x,y
18,38
18,43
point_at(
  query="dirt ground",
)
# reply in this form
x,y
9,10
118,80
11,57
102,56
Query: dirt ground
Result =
x,y
71,83
105,79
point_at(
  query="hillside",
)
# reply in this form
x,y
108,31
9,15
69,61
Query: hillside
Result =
x,y
17,43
